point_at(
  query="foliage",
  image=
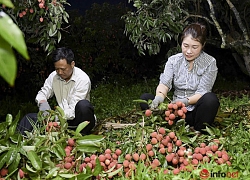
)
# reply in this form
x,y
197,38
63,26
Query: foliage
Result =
x,y
133,139
154,23
233,136
40,153
10,36
120,101
41,21
237,144
40,24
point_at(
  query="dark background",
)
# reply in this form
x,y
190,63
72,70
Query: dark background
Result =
x,y
83,5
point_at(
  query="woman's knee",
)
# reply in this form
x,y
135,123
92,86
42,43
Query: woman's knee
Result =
x,y
147,96
211,99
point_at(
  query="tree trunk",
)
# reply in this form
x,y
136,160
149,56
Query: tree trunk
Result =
x,y
240,62
246,57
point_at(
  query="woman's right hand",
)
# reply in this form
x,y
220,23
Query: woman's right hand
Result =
x,y
155,103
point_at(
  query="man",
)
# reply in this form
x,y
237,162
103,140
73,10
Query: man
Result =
x,y
71,87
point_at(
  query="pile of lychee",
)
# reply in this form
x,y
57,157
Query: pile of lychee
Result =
x,y
173,111
52,126
69,161
179,156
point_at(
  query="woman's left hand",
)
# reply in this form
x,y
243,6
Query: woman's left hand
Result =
x,y
184,101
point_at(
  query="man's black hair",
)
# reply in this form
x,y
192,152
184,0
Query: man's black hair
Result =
x,y
63,53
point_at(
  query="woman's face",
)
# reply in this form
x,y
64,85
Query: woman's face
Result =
x,y
191,48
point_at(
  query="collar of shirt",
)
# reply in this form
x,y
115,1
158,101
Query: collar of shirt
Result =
x,y
73,77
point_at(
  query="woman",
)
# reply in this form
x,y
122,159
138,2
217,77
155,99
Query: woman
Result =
x,y
192,74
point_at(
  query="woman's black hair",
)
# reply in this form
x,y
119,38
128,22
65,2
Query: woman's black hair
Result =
x,y
198,32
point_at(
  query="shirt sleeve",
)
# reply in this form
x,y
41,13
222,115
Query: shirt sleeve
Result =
x,y
46,91
79,92
166,77
208,78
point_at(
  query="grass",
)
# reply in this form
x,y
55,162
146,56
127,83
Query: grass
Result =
x,y
111,100
116,99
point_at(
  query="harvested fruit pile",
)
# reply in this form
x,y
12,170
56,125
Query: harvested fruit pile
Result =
x,y
161,149
178,157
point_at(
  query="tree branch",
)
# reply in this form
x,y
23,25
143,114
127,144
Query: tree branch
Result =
x,y
237,16
217,25
199,16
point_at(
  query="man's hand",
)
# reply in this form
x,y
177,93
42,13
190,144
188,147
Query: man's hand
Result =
x,y
184,101
155,103
43,106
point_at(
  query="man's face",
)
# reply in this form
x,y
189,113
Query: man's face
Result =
x,y
63,69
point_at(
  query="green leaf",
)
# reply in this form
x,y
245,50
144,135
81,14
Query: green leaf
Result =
x,y
59,36
11,156
12,167
35,160
91,137
3,158
98,167
140,101
7,3
84,176
3,148
65,18
7,61
89,143
52,172
113,173
87,149
52,30
9,119
47,47
67,175
12,128
59,151
193,139
12,34
81,126
30,169
3,126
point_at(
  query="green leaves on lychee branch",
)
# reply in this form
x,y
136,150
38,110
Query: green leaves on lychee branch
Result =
x,y
8,128
13,126
67,176
10,36
35,160
9,119
3,158
14,165
7,3
7,62
3,126
58,150
10,158
61,117
52,172
81,126
89,143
